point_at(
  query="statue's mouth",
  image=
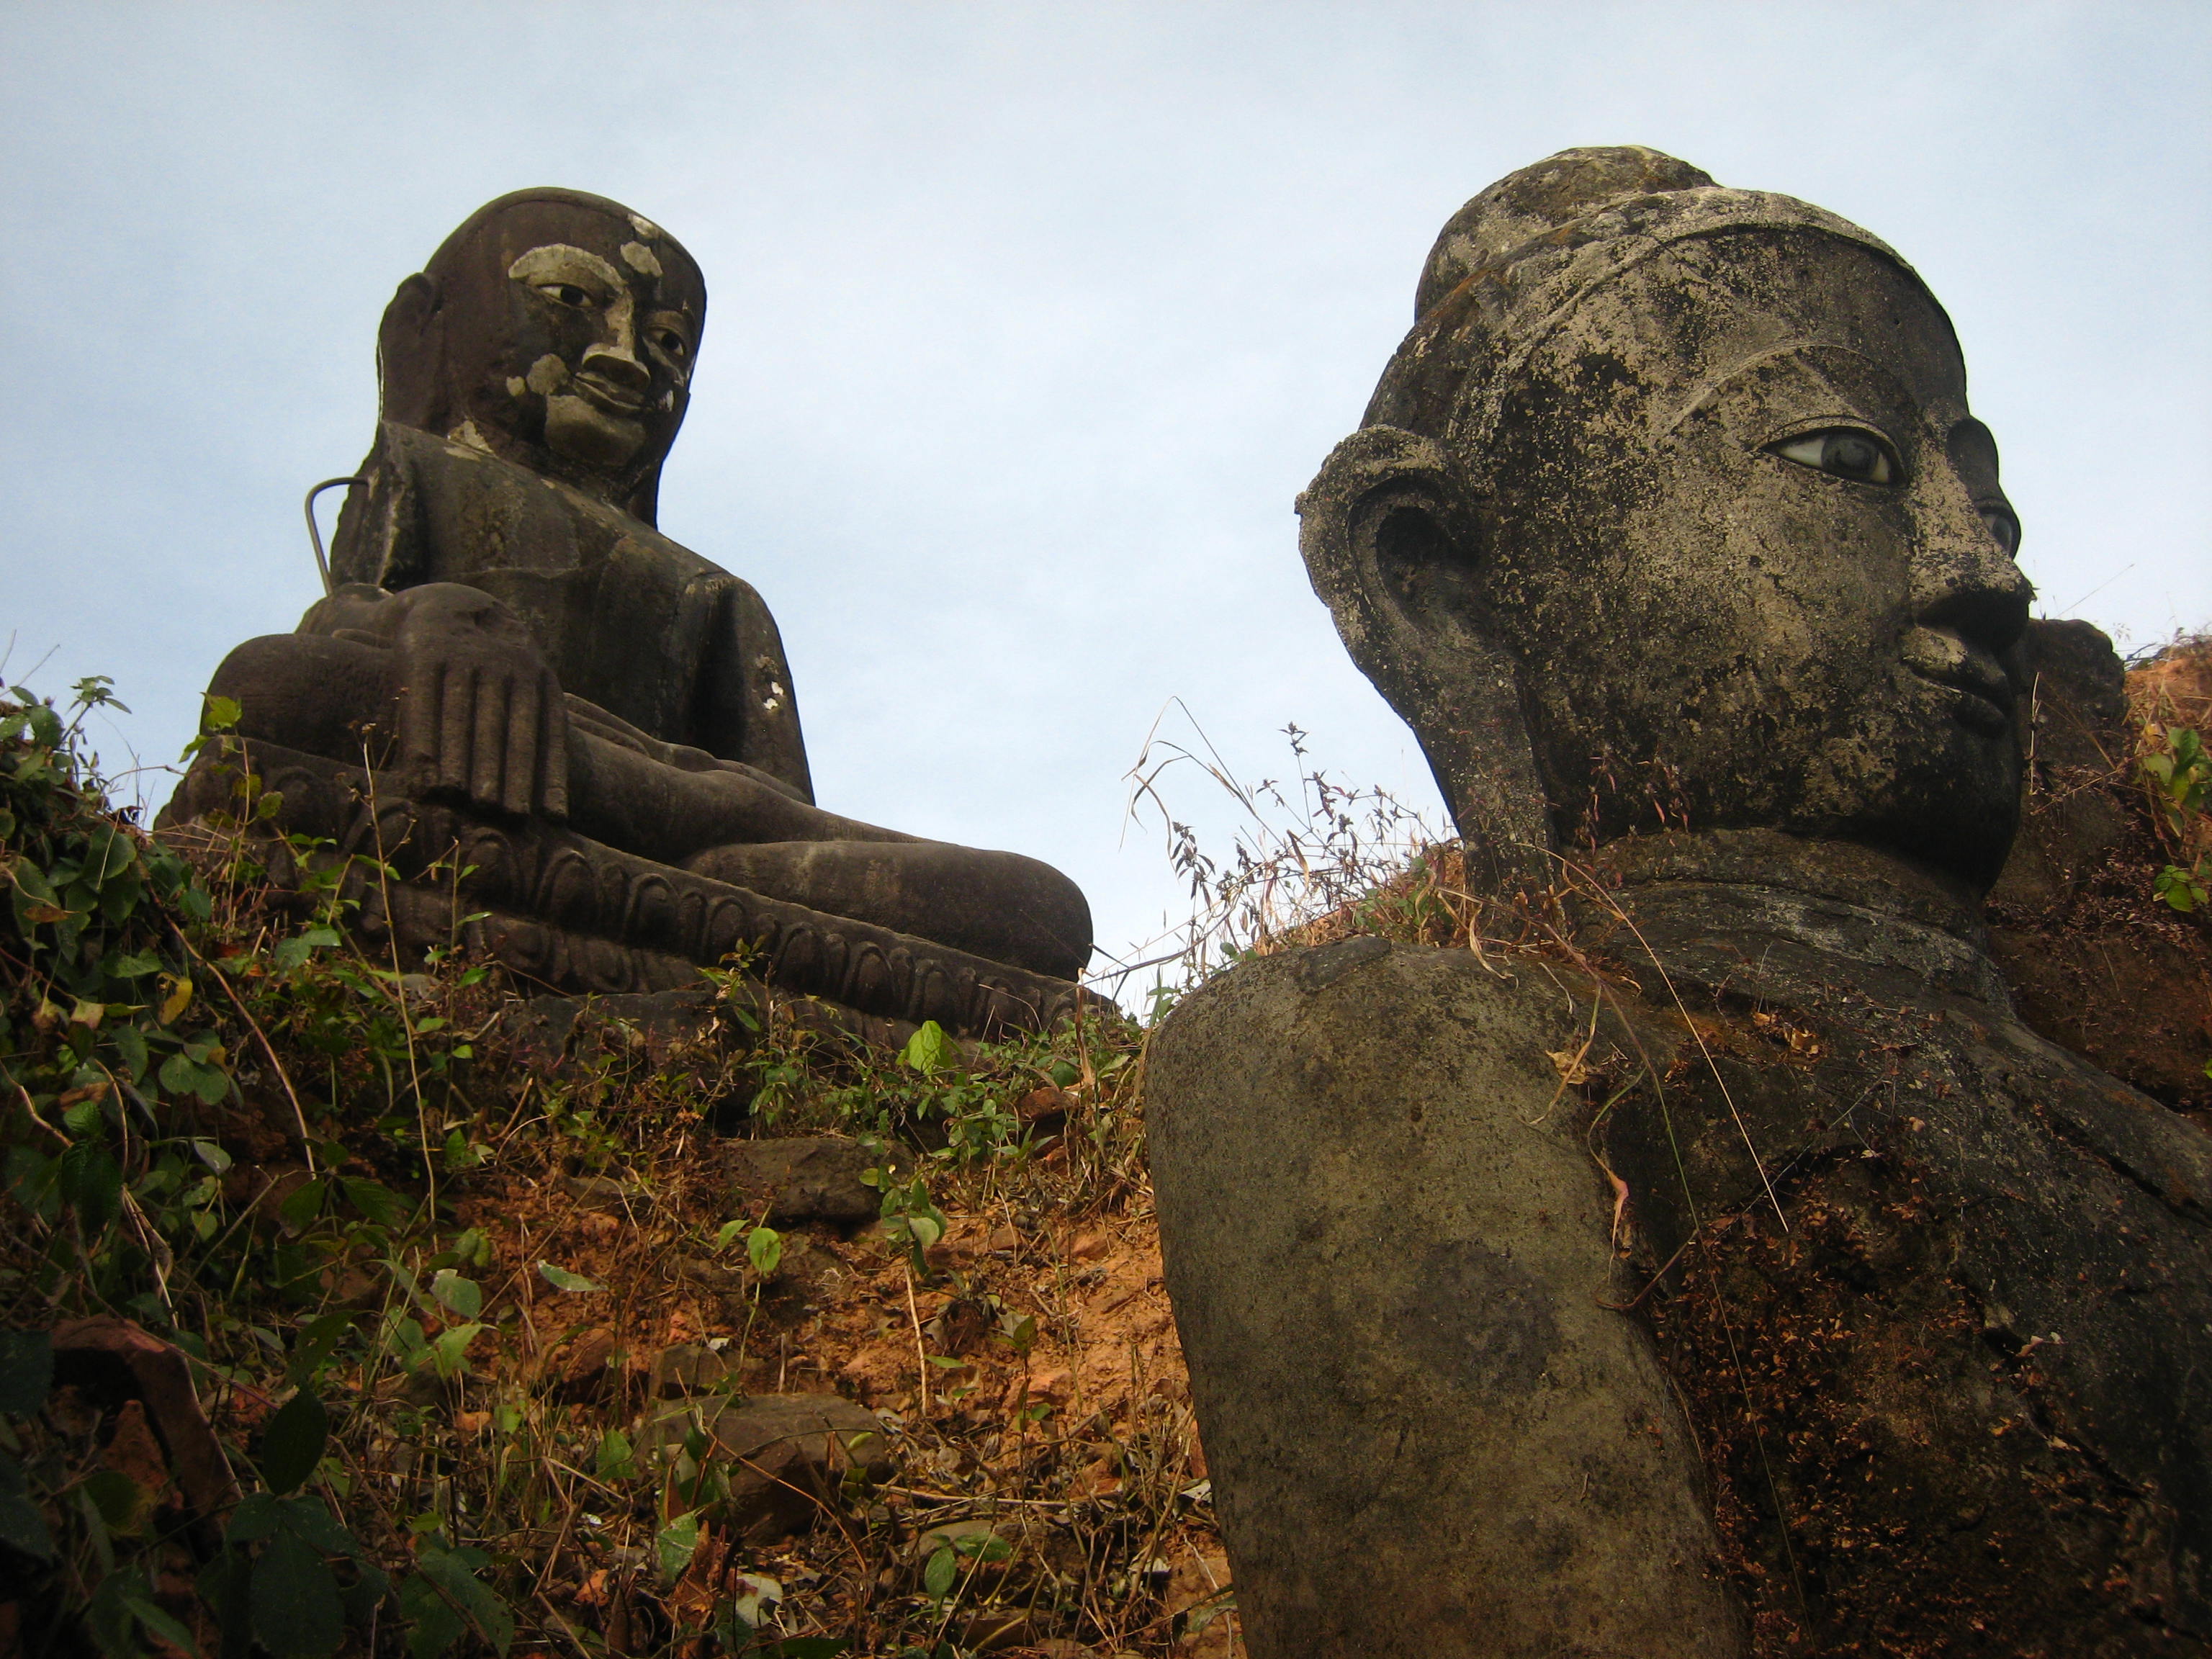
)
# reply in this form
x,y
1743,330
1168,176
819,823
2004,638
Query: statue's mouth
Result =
x,y
605,394
1986,699
1984,694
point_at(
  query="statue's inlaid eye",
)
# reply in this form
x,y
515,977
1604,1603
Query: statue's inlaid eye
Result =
x,y
2004,527
671,344
1847,452
567,293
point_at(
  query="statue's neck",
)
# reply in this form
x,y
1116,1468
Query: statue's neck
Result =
x,y
1732,894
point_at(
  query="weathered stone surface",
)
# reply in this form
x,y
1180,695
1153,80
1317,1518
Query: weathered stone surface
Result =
x,y
1670,534
1043,1111
549,1032
536,707
1387,1248
689,1368
1582,544
995,1630
691,1033
582,1368
1977,1346
1974,1318
787,1454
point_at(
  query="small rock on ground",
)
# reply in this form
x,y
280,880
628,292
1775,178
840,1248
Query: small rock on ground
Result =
x,y
803,1178
787,1454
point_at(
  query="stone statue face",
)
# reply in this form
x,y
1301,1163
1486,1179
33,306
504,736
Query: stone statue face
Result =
x,y
1749,552
555,330
1670,514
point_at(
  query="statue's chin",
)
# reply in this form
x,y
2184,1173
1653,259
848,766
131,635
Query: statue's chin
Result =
x,y
576,428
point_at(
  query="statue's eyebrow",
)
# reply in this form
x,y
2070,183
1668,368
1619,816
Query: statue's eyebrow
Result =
x,y
551,261
1968,434
1710,388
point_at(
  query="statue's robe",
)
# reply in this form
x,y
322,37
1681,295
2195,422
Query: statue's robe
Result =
x,y
1933,1297
629,621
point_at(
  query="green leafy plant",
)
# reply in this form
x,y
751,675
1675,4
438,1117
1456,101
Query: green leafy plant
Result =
x,y
2183,889
390,1254
764,1249
278,1576
150,999
910,1219
2177,771
942,1576
444,1598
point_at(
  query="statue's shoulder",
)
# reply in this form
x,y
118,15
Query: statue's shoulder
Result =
x,y
436,509
477,511
1360,1019
426,464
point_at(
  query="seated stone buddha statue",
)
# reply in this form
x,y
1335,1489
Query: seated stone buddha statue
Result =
x,y
1728,1271
516,676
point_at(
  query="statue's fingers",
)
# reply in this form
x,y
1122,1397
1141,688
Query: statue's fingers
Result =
x,y
488,753
419,700
553,750
456,727
525,713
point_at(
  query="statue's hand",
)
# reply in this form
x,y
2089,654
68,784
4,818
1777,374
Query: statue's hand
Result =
x,y
480,713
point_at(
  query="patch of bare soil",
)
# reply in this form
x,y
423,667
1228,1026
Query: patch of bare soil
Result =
x,y
1026,1477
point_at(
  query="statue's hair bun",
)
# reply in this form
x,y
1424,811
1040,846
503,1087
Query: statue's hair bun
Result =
x,y
1540,199
1514,263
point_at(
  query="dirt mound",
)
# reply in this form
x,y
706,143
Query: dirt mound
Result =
x,y
2097,960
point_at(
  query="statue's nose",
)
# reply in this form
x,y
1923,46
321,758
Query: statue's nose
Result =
x,y
1985,608
1967,582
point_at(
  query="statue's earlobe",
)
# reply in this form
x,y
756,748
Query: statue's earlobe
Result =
x,y
1346,519
410,348
1396,553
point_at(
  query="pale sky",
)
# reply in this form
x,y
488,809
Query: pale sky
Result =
x,y
1028,321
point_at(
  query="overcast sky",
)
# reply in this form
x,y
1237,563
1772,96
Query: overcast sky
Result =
x,y
1028,321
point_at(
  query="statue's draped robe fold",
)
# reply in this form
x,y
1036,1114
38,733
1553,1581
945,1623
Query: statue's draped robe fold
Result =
x,y
628,619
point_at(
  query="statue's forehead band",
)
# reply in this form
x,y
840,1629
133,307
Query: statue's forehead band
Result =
x,y
1527,295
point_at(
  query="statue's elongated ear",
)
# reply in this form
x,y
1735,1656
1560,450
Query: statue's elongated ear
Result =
x,y
411,354
1396,553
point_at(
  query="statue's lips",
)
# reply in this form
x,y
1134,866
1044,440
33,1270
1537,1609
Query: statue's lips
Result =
x,y
1987,704
607,396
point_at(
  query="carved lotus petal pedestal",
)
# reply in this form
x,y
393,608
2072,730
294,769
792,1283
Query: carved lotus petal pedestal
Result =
x,y
565,914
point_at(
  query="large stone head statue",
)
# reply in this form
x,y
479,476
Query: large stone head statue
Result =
x,y
1669,512
556,329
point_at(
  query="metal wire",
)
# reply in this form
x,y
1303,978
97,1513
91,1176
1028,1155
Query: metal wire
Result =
x,y
315,535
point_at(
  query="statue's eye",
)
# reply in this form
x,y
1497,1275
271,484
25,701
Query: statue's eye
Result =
x,y
1847,452
567,293
673,345
2004,527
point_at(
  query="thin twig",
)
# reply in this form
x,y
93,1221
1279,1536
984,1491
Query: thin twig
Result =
x,y
921,1352
299,1113
1690,1024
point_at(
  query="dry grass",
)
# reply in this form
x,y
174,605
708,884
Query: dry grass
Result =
x,y
1073,1438
1027,1374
